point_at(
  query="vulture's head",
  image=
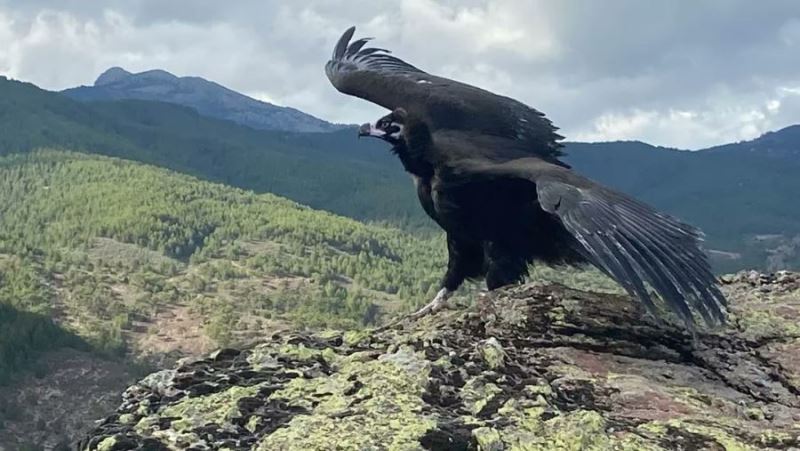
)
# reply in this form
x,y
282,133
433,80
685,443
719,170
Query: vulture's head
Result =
x,y
388,128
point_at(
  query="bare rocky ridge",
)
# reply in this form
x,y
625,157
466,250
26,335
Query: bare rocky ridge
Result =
x,y
535,367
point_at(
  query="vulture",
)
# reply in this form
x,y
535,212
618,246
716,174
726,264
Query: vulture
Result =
x,y
486,170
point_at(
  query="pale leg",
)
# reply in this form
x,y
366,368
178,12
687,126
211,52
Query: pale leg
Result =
x,y
439,302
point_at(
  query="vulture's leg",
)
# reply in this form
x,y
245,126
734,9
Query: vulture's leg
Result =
x,y
439,302
465,259
506,265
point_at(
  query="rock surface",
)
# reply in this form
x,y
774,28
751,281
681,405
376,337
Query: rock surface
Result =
x,y
534,367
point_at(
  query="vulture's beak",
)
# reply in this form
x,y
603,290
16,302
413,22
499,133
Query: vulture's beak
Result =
x,y
370,130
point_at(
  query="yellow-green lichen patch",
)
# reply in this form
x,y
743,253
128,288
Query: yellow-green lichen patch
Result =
x,y
765,322
523,410
493,353
267,356
332,358
779,439
566,307
354,337
151,427
477,393
263,357
488,439
299,352
253,423
126,418
542,388
365,405
761,313
328,334
576,431
708,433
511,314
218,408
107,444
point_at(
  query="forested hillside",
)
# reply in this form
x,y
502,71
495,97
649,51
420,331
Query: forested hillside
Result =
x,y
125,262
106,245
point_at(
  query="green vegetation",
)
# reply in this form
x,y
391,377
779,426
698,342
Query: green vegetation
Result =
x,y
331,171
748,184
106,246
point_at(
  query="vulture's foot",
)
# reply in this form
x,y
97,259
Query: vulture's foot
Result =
x,y
438,303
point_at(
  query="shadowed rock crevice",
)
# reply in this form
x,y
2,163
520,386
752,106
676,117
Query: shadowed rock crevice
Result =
x,y
534,367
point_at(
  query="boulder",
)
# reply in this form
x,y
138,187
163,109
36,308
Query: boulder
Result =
x,y
530,367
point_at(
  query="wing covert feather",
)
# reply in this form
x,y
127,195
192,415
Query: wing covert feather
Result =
x,y
376,75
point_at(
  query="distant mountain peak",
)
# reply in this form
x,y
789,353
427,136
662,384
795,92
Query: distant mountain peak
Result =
x,y
112,75
158,75
206,97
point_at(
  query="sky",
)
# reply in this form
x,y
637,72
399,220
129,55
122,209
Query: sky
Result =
x,y
686,74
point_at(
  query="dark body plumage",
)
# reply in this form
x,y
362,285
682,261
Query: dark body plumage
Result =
x,y
486,170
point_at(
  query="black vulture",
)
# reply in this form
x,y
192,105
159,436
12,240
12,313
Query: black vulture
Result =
x,y
486,170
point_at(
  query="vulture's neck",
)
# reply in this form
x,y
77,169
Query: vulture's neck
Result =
x,y
415,149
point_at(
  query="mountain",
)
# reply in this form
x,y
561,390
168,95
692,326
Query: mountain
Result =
x,y
740,194
332,171
208,98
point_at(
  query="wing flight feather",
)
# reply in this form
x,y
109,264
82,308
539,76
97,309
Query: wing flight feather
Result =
x,y
635,244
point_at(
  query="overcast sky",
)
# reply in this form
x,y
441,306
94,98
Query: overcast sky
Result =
x,y
687,74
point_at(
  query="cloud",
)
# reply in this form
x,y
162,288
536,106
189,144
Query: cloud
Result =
x,y
671,73
726,118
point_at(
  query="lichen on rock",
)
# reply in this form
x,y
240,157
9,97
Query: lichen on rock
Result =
x,y
536,367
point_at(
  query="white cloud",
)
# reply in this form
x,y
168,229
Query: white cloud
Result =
x,y
723,121
668,73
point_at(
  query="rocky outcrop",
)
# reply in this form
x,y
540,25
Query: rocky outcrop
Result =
x,y
533,367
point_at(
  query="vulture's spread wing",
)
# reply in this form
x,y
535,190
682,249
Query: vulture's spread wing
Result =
x,y
625,238
375,75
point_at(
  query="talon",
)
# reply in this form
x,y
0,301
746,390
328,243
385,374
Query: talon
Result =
x,y
438,303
